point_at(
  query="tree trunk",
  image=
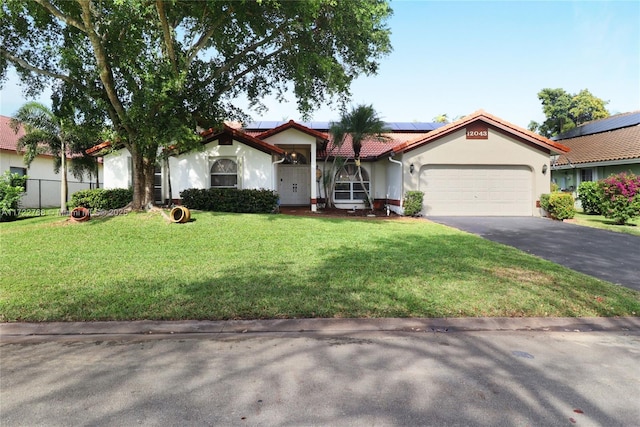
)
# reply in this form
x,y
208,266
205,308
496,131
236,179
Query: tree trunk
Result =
x,y
366,192
63,179
143,174
137,178
149,175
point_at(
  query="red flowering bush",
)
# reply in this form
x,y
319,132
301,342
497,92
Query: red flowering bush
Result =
x,y
621,197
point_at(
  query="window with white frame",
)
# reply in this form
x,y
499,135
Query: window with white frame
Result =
x,y
224,173
586,175
348,185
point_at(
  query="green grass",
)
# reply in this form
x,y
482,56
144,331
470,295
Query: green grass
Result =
x,y
598,221
233,266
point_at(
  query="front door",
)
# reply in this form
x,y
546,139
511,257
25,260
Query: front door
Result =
x,y
294,185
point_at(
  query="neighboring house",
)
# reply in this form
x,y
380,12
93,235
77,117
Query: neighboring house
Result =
x,y
479,165
43,185
598,149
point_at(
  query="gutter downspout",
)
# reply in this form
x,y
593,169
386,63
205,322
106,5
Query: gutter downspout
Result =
x,y
397,162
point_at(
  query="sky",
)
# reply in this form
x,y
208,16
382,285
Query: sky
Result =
x,y
454,58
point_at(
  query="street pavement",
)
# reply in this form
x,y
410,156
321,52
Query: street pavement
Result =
x,y
337,372
607,255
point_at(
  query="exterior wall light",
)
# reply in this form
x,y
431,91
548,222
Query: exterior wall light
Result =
x,y
544,169
411,168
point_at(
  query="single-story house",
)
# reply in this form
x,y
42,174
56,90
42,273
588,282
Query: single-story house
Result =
x,y
43,185
598,149
479,165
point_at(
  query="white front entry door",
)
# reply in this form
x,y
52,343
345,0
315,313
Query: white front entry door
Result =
x,y
294,185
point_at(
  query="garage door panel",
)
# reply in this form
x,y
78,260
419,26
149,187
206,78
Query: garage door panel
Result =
x,y
476,190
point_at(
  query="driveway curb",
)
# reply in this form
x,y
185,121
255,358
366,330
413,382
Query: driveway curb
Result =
x,y
32,332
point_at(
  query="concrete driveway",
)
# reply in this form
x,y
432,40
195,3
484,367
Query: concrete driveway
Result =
x,y
607,255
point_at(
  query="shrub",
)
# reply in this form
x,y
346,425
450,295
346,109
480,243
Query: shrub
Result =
x,y
554,187
413,203
559,205
230,200
621,197
11,190
590,196
100,199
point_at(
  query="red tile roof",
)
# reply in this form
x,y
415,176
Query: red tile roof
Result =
x,y
293,125
495,122
372,148
243,137
8,138
618,144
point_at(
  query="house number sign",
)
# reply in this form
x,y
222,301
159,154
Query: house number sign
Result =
x,y
478,131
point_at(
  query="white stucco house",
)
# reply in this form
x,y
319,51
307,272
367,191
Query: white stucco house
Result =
x,y
479,165
43,185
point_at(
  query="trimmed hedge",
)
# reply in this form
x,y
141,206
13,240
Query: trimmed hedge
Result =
x,y
590,194
559,205
100,199
230,200
413,203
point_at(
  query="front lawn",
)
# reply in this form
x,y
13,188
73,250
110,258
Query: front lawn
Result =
x,y
233,266
598,221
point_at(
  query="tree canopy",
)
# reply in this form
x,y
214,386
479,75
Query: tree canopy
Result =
x,y
160,69
564,111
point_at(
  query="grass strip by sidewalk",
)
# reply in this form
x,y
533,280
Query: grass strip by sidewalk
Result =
x,y
234,266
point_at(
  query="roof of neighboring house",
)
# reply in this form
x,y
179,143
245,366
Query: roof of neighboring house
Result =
x,y
610,145
610,123
9,138
497,123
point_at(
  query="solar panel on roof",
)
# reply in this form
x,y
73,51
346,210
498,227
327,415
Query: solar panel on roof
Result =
x,y
324,126
604,125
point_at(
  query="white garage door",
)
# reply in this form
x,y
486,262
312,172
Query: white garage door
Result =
x,y
476,190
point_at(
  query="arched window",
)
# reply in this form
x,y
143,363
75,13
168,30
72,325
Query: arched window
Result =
x,y
348,186
224,174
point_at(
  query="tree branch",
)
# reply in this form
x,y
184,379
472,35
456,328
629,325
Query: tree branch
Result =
x,y
204,38
234,79
240,56
61,16
166,31
25,64
106,75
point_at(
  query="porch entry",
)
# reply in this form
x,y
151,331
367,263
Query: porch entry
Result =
x,y
294,185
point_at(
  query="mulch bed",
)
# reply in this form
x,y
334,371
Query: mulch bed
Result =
x,y
338,213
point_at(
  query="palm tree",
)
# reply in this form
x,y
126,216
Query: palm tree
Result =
x,y
361,123
45,132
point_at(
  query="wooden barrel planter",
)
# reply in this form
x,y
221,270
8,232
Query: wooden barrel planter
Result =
x,y
80,214
180,214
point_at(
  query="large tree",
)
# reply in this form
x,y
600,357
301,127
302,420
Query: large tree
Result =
x,y
161,69
564,111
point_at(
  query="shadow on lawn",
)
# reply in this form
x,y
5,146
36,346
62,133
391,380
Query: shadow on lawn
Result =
x,y
407,276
